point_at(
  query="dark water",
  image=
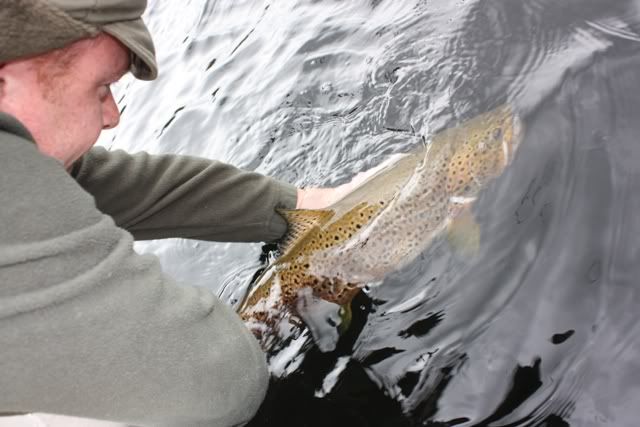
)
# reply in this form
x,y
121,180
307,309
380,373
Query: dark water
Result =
x,y
540,328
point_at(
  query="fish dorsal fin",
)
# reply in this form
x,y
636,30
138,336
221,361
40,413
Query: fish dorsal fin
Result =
x,y
301,222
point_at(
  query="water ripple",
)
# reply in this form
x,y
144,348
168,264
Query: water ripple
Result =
x,y
540,328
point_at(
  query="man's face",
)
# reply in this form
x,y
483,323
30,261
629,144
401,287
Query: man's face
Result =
x,y
65,106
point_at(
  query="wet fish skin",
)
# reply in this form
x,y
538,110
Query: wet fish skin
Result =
x,y
384,223
450,173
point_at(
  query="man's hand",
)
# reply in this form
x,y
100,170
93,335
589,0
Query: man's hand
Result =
x,y
320,198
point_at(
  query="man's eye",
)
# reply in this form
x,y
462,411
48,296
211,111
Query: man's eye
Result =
x,y
104,92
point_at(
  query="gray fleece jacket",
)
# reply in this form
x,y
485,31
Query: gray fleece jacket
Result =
x,y
90,328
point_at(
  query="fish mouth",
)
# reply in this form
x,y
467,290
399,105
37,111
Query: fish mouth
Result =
x,y
510,144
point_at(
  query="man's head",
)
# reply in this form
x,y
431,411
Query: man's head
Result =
x,y
63,97
57,60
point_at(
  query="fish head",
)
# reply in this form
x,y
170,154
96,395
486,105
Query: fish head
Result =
x,y
483,148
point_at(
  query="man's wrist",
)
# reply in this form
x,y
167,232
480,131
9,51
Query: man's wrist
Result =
x,y
314,198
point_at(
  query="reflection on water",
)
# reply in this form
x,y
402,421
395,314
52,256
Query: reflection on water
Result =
x,y
540,328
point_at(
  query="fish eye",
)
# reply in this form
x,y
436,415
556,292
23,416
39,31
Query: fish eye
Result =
x,y
497,134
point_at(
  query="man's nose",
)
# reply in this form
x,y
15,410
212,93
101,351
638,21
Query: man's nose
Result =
x,y
111,114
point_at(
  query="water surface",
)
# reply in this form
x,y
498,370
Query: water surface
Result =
x,y
540,328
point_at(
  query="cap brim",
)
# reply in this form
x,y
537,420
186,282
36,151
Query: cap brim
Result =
x,y
135,35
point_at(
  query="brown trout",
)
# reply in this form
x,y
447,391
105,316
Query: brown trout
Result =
x,y
383,224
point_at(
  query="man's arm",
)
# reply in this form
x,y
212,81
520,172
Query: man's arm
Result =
x,y
159,196
89,328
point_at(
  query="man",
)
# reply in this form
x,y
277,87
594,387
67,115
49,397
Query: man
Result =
x,y
88,327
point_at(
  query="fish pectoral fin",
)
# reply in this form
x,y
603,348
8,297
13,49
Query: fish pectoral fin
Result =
x,y
463,232
462,201
300,222
345,318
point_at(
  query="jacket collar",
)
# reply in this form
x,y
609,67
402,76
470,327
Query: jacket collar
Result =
x,y
10,124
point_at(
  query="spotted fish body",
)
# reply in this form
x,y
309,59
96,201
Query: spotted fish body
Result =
x,y
384,223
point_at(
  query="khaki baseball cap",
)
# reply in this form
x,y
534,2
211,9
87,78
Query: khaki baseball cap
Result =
x,y
31,27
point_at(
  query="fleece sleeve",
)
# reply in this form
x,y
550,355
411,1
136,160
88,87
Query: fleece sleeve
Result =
x,y
159,196
89,328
